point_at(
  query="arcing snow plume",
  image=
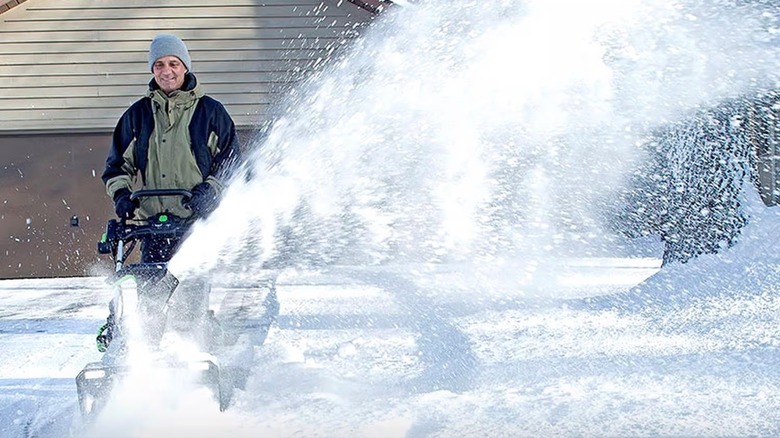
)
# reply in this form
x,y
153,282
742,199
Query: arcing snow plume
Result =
x,y
460,130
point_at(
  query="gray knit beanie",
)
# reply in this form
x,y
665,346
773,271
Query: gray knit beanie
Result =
x,y
166,44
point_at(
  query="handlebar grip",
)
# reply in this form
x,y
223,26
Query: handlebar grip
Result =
x,y
185,194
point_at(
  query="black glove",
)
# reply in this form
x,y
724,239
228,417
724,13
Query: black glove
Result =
x,y
124,207
203,201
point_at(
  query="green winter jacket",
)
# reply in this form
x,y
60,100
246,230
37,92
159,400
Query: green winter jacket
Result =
x,y
154,140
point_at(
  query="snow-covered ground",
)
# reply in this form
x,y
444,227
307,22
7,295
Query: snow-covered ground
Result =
x,y
595,347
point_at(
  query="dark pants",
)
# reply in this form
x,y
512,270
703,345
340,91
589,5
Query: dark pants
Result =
x,y
158,250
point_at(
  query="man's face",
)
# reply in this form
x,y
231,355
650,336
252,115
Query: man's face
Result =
x,y
169,73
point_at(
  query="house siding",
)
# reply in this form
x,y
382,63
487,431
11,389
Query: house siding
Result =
x,y
75,65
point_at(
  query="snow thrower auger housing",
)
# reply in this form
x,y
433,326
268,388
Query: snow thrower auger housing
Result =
x,y
143,291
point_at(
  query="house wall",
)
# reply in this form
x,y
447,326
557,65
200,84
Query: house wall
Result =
x,y
45,182
762,120
69,68
77,64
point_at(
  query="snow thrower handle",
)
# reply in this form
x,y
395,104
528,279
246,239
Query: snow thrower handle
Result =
x,y
120,232
186,195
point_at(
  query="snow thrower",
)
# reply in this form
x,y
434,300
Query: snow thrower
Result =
x,y
142,294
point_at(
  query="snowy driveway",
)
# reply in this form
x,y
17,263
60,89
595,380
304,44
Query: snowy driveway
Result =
x,y
424,352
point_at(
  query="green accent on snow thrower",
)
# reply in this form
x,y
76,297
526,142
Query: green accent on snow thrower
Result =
x,y
123,278
103,338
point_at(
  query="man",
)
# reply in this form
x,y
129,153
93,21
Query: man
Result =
x,y
175,137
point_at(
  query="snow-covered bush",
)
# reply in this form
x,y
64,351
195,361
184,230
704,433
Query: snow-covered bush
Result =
x,y
690,191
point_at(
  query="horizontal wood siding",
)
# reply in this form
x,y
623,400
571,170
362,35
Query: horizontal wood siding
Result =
x,y
77,64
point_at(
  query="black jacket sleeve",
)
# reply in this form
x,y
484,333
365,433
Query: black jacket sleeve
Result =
x,y
228,158
123,136
211,116
136,125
